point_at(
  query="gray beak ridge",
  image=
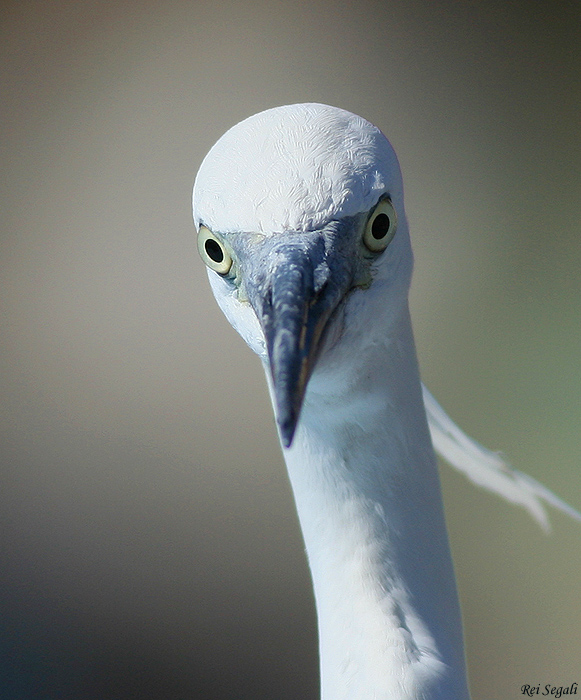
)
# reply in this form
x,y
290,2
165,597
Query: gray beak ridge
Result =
x,y
295,289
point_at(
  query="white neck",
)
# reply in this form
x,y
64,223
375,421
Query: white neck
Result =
x,y
367,491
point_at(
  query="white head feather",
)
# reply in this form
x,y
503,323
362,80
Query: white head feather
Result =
x,y
294,168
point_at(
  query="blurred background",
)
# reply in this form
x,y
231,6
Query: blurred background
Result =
x,y
150,547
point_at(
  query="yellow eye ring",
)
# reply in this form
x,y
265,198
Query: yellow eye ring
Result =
x,y
213,252
381,226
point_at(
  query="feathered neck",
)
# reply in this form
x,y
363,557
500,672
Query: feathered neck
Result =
x,y
367,492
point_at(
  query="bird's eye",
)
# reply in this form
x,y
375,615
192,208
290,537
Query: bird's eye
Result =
x,y
381,226
213,252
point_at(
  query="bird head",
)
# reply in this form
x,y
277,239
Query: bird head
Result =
x,y
300,219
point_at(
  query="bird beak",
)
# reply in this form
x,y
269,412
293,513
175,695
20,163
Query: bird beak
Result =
x,y
296,288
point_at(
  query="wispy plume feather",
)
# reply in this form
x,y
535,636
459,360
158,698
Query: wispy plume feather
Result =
x,y
489,469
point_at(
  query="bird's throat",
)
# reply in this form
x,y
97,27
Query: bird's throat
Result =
x,y
367,492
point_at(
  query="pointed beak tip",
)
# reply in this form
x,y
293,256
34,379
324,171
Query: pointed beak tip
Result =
x,y
287,432
286,443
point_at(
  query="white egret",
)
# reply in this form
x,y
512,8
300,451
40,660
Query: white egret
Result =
x,y
301,223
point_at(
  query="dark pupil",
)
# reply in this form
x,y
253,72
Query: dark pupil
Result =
x,y
380,226
214,251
